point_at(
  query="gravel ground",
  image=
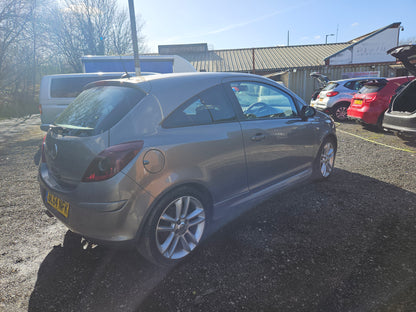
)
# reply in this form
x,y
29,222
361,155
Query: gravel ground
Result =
x,y
347,244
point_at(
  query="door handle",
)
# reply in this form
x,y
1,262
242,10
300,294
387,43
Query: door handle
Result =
x,y
258,137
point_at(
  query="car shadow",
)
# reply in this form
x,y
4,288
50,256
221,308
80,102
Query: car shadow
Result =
x,y
338,245
77,276
408,139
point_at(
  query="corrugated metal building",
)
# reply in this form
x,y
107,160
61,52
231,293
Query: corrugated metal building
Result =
x,y
293,64
259,60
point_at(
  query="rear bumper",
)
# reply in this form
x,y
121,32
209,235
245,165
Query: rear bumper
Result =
x,y
321,107
95,215
400,121
364,114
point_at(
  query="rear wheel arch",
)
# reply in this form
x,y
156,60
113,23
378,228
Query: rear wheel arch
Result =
x,y
146,240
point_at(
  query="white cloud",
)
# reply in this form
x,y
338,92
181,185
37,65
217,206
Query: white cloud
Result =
x,y
355,24
317,37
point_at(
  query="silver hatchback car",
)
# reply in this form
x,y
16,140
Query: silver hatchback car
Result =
x,y
153,160
334,99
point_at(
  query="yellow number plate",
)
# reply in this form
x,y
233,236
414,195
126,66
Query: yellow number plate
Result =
x,y
358,102
59,204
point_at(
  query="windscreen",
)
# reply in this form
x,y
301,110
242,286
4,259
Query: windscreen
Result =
x,y
99,108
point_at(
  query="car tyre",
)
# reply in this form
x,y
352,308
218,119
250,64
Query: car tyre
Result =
x,y
325,159
340,112
175,227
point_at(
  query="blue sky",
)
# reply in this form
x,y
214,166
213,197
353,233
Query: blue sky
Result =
x,y
229,24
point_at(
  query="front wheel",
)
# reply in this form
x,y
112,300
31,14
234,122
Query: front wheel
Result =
x,y
175,228
325,160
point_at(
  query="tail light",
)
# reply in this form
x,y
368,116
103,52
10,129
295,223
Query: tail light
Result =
x,y
42,149
331,93
40,109
111,161
370,98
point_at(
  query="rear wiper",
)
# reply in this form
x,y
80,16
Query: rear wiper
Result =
x,y
56,129
71,130
60,130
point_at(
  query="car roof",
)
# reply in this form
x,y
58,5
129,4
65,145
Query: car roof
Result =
x,y
171,90
96,74
354,79
400,78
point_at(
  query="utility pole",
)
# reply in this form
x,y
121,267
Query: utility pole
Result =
x,y
134,38
288,38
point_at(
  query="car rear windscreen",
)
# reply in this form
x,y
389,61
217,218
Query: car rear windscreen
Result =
x,y
372,87
99,108
330,86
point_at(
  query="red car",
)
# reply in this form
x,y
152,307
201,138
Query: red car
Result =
x,y
372,100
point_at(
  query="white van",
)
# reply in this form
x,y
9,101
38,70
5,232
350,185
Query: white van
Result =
x,y
57,91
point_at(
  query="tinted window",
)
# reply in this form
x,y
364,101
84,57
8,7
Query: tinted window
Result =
x,y
372,87
259,100
208,107
70,87
330,86
99,108
349,85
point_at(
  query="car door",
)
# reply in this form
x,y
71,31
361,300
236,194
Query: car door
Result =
x,y
278,143
205,144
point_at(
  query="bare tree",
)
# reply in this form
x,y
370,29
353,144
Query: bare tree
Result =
x,y
89,27
39,37
14,19
16,55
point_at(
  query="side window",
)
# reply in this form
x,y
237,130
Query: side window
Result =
x,y
359,84
210,106
258,100
69,87
349,85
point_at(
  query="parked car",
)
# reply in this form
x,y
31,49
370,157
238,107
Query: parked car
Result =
x,y
335,98
401,115
154,161
372,100
322,82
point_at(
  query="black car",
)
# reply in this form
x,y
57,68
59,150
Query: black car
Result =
x,y
401,115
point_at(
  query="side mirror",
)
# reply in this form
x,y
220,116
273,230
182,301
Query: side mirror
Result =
x,y
307,112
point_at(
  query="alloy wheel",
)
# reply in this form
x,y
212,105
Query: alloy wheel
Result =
x,y
327,159
341,112
180,227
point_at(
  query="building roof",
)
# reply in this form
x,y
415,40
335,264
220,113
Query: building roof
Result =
x,y
265,59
